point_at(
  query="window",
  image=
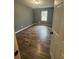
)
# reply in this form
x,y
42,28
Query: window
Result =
x,y
44,15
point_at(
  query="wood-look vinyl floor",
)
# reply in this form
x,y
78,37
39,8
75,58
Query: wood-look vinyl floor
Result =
x,y
34,43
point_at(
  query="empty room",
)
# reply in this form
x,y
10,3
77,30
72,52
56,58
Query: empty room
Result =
x,y
39,29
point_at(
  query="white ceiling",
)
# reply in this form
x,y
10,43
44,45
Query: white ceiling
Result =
x,y
42,4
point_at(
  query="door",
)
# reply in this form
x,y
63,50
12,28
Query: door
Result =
x,y
16,49
57,42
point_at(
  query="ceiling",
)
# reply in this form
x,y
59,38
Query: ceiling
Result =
x,y
33,4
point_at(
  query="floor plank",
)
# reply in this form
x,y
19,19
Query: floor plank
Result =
x,y
34,43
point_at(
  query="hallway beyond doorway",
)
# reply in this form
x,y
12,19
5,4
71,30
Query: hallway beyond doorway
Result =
x,y
34,43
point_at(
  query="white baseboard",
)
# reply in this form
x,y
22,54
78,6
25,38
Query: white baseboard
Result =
x,y
24,28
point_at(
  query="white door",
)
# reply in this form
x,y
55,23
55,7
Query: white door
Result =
x,y
57,42
16,49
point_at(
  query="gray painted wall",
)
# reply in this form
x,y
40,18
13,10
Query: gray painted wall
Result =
x,y
37,15
22,16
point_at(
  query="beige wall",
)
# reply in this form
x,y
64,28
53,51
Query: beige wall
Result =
x,y
57,42
22,16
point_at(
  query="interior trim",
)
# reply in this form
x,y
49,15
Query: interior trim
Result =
x,y
24,28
